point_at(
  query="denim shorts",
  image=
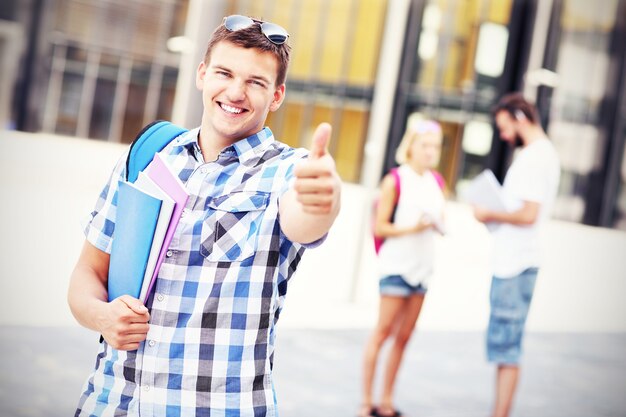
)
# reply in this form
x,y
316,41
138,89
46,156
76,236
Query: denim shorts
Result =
x,y
510,300
397,286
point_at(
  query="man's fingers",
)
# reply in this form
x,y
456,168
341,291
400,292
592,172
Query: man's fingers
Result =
x,y
317,209
137,328
134,304
319,144
129,347
312,169
314,199
313,185
128,337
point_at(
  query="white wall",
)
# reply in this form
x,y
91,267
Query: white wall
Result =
x,y
50,183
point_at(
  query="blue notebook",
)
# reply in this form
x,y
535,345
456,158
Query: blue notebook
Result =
x,y
136,219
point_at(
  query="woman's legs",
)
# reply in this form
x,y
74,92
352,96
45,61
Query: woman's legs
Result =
x,y
390,309
409,317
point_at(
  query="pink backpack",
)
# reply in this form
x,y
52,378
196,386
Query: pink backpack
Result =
x,y
378,240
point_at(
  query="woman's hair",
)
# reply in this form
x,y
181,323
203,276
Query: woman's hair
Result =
x,y
413,131
514,104
252,37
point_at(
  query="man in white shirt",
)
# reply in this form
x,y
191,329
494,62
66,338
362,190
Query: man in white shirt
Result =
x,y
529,190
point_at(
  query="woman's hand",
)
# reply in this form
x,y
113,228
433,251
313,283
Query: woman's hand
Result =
x,y
424,223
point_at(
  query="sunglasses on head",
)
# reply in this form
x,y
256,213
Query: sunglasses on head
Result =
x,y
426,126
276,34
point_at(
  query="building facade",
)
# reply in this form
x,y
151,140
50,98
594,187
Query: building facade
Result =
x,y
103,69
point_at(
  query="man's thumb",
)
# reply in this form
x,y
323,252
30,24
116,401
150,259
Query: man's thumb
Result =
x,y
319,144
134,304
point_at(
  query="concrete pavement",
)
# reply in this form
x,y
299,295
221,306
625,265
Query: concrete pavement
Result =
x,y
317,373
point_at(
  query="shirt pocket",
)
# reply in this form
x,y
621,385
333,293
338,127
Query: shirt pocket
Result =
x,y
231,227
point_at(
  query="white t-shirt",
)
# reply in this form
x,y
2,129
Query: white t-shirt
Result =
x,y
412,255
533,176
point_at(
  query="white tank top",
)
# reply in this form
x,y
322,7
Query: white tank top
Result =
x,y
412,255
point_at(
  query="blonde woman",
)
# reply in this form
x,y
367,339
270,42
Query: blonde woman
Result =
x,y
408,223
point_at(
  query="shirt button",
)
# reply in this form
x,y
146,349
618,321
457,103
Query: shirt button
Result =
x,y
160,297
151,343
146,387
169,253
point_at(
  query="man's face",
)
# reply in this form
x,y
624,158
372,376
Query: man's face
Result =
x,y
238,90
508,128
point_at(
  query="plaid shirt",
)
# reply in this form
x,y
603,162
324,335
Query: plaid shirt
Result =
x,y
219,291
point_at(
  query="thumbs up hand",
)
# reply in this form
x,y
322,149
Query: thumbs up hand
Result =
x,y
317,183
319,144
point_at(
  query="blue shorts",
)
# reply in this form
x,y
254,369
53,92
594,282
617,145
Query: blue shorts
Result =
x,y
396,286
510,300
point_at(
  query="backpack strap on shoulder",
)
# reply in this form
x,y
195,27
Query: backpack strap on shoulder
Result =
x,y
440,180
378,241
152,139
396,176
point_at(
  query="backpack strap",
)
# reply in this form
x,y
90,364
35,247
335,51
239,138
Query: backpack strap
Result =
x,y
378,241
440,180
152,139
396,176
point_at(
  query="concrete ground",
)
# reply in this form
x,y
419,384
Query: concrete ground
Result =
x,y
317,373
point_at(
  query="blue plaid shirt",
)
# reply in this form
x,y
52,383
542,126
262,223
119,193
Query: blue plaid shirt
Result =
x,y
219,292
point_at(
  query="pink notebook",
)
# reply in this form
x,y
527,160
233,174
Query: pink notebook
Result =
x,y
160,172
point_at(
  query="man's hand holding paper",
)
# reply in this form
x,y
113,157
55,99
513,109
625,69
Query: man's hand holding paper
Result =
x,y
485,194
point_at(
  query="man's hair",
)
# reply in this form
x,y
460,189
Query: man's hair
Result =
x,y
514,104
252,37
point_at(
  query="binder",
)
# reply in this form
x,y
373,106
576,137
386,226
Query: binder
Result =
x,y
136,219
160,172
165,215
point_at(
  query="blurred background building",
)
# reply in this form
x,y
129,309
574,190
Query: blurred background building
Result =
x,y
101,69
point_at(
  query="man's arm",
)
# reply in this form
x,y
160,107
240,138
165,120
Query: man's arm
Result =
x,y
525,216
124,321
309,208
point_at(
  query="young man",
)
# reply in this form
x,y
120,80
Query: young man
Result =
x,y
529,189
203,344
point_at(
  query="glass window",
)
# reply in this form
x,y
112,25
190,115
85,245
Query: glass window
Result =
x,y
69,104
620,206
112,71
575,125
102,109
458,38
136,101
456,77
168,89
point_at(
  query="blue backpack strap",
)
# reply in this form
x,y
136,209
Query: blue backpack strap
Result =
x,y
152,139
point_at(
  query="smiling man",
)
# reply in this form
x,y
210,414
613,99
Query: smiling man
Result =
x,y
203,344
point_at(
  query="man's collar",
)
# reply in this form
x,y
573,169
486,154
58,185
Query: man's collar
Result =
x,y
245,149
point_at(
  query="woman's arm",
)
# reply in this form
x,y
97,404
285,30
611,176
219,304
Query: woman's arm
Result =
x,y
383,226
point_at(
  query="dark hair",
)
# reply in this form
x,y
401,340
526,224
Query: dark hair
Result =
x,y
252,37
513,103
